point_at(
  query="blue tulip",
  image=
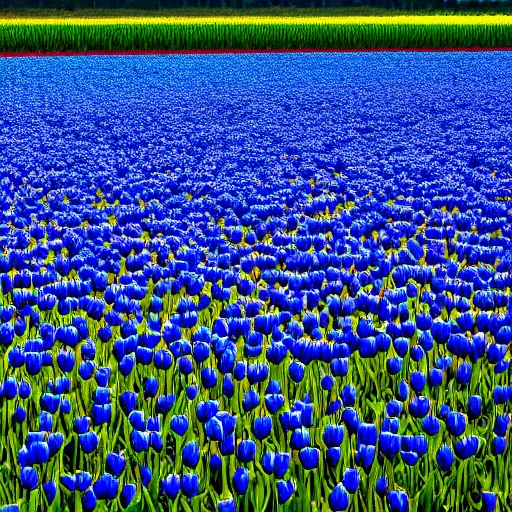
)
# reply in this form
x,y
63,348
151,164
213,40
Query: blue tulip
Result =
x,y
150,387
55,442
17,358
101,414
89,500
366,434
349,395
50,491
391,425
45,422
106,487
430,425
19,415
456,423
66,360
69,482
296,371
443,411
381,486
127,494
281,464
82,424
126,365
185,365
39,452
339,499
445,457
206,410
88,441
398,501
300,438
502,394
246,451
419,406
139,441
137,421
435,377
29,478
262,427
285,490
128,401
501,424
145,475
351,480
227,446
208,378
333,456
215,462
365,456
474,407
309,457
333,435
268,462
410,458
464,374
241,480
83,481
116,463
179,424
402,391
24,390
10,388
489,500
418,381
227,505
170,486
86,369
228,388
394,408
102,376
389,444
251,400
164,403
467,447
327,382
394,365
191,454
499,445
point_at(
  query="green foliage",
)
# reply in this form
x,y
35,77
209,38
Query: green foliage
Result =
x,y
51,37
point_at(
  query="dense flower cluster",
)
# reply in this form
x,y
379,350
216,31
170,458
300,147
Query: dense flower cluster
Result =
x,y
226,287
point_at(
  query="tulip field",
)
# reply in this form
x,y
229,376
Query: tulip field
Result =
x,y
255,283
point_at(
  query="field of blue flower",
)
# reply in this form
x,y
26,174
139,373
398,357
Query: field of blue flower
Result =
x,y
256,283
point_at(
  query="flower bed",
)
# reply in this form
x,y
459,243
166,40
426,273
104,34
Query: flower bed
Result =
x,y
256,282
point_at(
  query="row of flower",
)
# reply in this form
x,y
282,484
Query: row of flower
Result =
x,y
310,336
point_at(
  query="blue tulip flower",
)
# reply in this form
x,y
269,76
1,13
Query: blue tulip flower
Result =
x,y
246,451
351,480
285,491
339,499
50,491
309,457
241,480
29,478
106,487
170,486
191,454
398,501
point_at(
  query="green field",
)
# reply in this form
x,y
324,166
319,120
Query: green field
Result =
x,y
249,32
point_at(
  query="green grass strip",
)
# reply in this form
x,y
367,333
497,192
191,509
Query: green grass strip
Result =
x,y
77,35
